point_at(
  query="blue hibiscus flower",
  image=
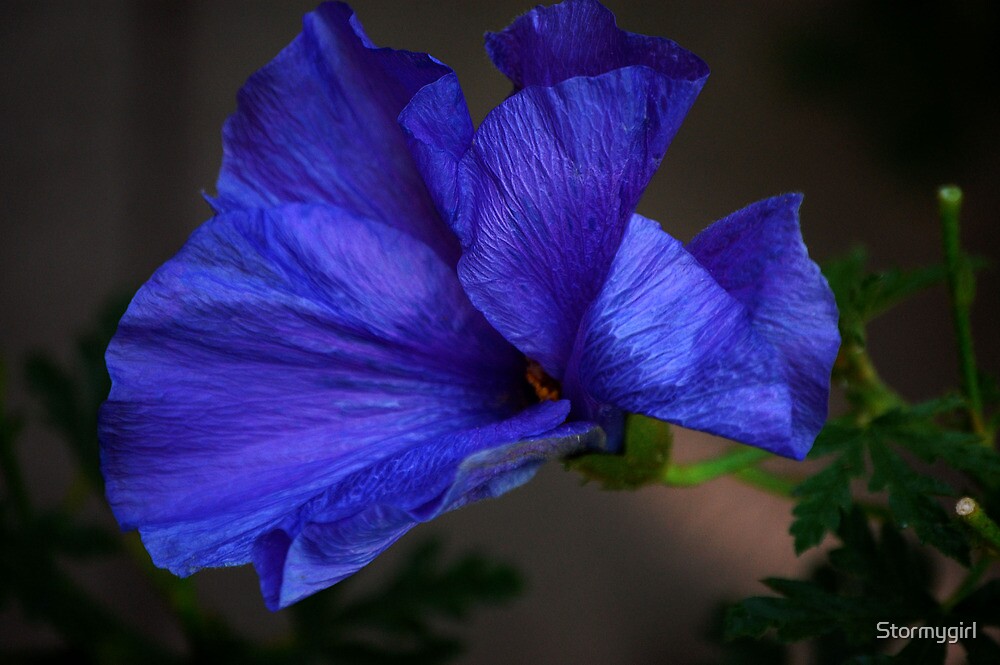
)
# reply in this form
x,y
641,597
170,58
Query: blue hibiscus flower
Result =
x,y
393,314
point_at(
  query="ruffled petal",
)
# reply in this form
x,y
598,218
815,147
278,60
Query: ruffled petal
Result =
x,y
546,190
279,352
581,38
758,256
439,130
665,340
356,520
318,125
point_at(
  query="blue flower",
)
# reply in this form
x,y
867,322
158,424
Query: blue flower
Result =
x,y
392,314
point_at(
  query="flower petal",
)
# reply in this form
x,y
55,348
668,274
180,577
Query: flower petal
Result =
x,y
318,125
546,190
758,256
439,130
665,340
356,520
277,353
580,38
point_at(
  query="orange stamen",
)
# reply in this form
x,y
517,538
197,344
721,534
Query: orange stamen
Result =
x,y
546,388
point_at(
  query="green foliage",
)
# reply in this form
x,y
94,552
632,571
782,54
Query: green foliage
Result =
x,y
825,495
400,622
863,296
891,444
896,470
757,650
404,621
867,580
70,397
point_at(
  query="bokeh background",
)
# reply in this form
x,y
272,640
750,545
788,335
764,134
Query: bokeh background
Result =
x,y
110,117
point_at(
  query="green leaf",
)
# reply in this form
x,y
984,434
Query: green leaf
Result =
x,y
743,651
862,296
805,610
824,497
887,568
400,622
910,500
71,396
868,580
880,291
916,429
836,435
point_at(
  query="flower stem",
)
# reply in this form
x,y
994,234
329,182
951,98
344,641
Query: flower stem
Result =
x,y
866,391
972,514
735,459
771,483
961,284
967,584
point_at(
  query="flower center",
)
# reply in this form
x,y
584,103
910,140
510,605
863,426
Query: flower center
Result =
x,y
546,388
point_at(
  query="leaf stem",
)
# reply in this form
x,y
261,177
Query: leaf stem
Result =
x,y
961,286
736,459
866,391
767,481
970,512
967,584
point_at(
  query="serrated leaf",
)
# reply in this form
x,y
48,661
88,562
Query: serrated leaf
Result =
x,y
916,429
887,568
824,497
806,610
837,434
880,291
911,503
742,651
926,409
71,396
399,622
862,296
871,580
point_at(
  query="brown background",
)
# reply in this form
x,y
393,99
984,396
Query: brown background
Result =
x,y
111,113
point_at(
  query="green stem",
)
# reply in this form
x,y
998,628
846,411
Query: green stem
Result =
x,y
961,286
870,396
698,473
967,584
771,483
973,515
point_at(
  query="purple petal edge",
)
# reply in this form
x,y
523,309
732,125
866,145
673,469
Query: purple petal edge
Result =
x,y
350,525
758,256
581,38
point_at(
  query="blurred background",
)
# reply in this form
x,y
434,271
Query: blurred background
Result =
x,y
110,118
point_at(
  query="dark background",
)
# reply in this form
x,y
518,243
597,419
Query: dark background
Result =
x,y
110,114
